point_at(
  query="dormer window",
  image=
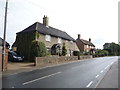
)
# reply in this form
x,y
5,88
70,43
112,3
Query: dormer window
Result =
x,y
59,40
48,38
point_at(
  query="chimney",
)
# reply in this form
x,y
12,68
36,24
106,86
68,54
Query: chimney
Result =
x,y
45,21
78,36
90,40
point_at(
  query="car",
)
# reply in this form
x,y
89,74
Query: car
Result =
x,y
15,56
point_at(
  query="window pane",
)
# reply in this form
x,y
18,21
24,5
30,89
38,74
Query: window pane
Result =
x,y
59,40
48,37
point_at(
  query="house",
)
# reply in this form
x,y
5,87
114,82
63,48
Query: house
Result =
x,y
84,45
50,36
107,45
6,54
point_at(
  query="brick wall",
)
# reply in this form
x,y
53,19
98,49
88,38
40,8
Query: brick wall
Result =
x,y
0,58
48,60
83,47
80,45
6,59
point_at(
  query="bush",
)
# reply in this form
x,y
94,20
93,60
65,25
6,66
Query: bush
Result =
x,y
76,53
64,50
101,53
38,49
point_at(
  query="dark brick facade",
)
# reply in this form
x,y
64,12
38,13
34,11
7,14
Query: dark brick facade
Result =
x,y
5,61
84,45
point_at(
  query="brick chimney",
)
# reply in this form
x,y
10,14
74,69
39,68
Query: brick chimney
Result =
x,y
45,21
90,40
78,36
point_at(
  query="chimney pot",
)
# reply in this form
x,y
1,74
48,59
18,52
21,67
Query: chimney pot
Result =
x,y
89,39
78,36
45,20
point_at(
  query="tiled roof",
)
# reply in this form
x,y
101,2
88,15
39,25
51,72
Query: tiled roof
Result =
x,y
48,30
1,43
87,42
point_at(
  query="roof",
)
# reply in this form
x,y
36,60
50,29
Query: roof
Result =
x,y
87,42
1,43
47,30
106,44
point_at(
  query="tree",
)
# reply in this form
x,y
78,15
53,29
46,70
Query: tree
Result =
x,y
38,49
113,49
101,53
64,50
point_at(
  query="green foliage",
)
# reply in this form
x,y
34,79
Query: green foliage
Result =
x,y
76,53
101,53
64,50
38,49
113,49
23,42
37,35
87,53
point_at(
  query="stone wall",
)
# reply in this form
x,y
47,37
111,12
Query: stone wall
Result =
x,y
54,40
48,60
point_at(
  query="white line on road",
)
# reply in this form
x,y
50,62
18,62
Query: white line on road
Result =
x,y
89,84
13,87
75,67
101,71
111,63
107,66
41,78
97,76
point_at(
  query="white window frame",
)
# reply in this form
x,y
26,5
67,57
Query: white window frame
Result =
x,y
87,46
48,38
59,40
71,42
90,46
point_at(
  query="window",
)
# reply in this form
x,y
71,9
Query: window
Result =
x,y
71,42
87,46
59,40
90,47
48,37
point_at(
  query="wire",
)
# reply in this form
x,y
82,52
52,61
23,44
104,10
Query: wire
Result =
x,y
34,4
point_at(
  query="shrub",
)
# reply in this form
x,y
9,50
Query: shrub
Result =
x,y
64,50
76,53
101,53
38,49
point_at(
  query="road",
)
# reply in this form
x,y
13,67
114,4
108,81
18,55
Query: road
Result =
x,y
81,74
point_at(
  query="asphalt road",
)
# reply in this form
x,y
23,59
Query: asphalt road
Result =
x,y
81,74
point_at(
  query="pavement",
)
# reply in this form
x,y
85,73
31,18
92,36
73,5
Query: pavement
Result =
x,y
18,67
14,67
110,79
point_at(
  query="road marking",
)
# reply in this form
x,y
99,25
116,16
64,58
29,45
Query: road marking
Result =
x,y
111,63
97,76
41,78
13,87
89,84
101,71
107,66
75,67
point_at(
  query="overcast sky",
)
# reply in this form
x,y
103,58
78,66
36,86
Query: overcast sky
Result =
x,y
95,19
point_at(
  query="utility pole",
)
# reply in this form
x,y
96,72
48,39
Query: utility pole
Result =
x,y
4,36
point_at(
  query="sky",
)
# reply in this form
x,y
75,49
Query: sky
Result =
x,y
95,19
